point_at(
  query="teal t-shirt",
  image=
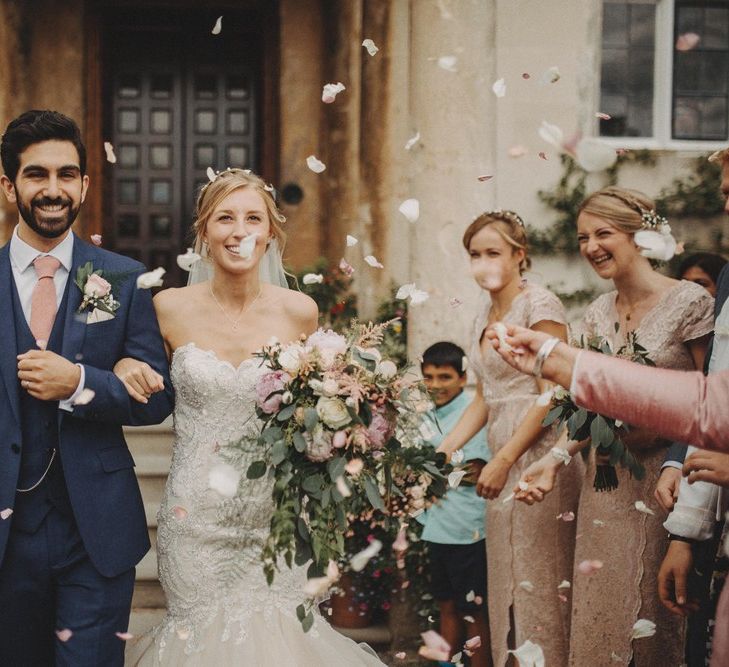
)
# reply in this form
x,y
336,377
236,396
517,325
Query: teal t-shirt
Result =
x,y
460,516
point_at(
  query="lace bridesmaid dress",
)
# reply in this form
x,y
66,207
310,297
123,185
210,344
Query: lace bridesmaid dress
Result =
x,y
630,543
220,610
529,550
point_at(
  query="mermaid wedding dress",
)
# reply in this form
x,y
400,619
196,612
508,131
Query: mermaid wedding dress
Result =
x,y
220,610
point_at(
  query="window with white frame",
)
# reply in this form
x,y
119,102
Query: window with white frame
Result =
x,y
665,71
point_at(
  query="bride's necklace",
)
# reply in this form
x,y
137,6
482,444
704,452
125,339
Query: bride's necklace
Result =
x,y
234,322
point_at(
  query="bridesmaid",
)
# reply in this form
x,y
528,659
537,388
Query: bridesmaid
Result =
x,y
672,320
528,553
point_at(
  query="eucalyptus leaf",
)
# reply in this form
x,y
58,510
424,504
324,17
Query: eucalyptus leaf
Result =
x,y
311,419
552,416
278,452
299,441
308,622
335,467
256,469
373,494
286,412
313,482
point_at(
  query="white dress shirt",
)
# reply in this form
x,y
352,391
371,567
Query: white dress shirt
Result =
x,y
701,504
22,257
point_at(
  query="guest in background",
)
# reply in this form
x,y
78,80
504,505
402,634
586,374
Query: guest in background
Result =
x,y
702,268
455,528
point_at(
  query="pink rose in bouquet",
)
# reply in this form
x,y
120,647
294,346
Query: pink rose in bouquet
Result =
x,y
381,428
267,384
319,446
328,344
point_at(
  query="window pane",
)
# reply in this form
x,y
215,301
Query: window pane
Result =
x,y
715,34
205,121
160,225
204,156
160,192
128,155
161,121
627,76
160,157
129,85
237,122
206,87
128,120
128,192
128,225
237,87
237,156
161,87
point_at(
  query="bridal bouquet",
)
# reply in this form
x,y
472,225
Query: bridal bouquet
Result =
x,y
606,434
341,436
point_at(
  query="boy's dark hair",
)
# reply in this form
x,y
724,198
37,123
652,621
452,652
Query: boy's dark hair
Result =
x,y
708,262
445,354
35,126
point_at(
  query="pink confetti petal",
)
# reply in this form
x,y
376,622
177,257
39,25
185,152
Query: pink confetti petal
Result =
x,y
64,635
473,643
124,636
687,41
478,600
603,116
562,598
526,75
543,155
346,268
589,567
566,516
517,151
6,513
96,239
179,512
485,177
401,655
454,302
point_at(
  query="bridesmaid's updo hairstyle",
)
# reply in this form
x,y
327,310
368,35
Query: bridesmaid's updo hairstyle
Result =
x,y
509,226
621,207
226,182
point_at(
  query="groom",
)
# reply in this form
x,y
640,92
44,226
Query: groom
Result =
x,y
72,523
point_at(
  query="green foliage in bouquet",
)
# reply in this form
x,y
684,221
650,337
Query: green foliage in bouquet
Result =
x,y
340,437
606,434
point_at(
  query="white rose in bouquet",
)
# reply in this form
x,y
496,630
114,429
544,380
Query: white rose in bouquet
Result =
x,y
333,412
290,358
328,344
387,369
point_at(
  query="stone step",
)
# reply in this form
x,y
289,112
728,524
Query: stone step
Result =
x,y
148,594
142,620
151,447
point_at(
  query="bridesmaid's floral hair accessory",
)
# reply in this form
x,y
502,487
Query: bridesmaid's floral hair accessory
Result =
x,y
651,220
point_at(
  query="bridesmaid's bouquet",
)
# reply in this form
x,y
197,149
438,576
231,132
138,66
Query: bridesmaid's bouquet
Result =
x,y
341,436
606,434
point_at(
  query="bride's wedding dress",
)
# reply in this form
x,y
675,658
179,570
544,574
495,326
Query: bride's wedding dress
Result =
x,y
220,610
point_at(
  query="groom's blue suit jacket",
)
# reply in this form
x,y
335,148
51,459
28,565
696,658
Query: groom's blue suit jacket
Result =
x,y
96,463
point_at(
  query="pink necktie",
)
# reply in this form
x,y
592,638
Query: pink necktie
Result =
x,y
43,304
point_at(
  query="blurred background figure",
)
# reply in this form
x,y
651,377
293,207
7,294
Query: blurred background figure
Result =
x,y
702,268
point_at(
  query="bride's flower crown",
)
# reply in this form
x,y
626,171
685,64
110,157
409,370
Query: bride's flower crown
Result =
x,y
213,175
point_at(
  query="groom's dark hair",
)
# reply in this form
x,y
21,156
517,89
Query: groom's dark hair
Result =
x,y
35,126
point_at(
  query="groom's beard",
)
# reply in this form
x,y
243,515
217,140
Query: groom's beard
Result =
x,y
48,227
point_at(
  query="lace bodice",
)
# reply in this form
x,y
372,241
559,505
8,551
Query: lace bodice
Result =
x,y
209,545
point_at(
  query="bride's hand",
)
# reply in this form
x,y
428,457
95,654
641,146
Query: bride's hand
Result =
x,y
139,378
540,477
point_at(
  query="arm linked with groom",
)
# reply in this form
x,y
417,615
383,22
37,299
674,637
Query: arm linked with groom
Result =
x,y
72,524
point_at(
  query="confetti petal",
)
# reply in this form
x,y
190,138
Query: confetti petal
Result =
x,y
529,654
312,279
410,208
211,174
643,628
589,567
564,584
151,278
655,245
247,245
354,467
527,586
687,41
544,398
484,177
500,329
595,155
543,155
96,239
412,141
642,507
401,655
124,636
469,619
526,75
400,543
330,92
550,75
552,134
473,643
454,478
351,241
317,166
598,523
186,261
454,302
603,116
470,596
109,150
343,487
64,635
499,88
566,516
373,262
437,647
448,63
218,26
360,560
346,268
224,479
179,512
6,513
517,151
85,397
370,46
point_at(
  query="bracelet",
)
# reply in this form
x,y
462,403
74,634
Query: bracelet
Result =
x,y
680,538
542,355
561,455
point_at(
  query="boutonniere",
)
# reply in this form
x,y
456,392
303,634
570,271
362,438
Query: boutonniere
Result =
x,y
97,295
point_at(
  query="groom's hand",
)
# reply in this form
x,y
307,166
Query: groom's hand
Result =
x,y
47,376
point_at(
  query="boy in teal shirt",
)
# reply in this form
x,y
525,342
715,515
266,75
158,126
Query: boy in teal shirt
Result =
x,y
455,528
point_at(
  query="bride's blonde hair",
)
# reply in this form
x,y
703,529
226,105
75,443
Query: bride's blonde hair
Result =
x,y
229,181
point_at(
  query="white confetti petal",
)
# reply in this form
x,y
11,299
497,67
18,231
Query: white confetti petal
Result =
x,y
410,208
218,26
499,88
500,329
412,141
316,165
373,262
564,584
179,512
589,567
469,619
312,279
109,150
85,397
545,398
330,92
552,134
151,278
186,261
124,636
418,296
448,63
527,586
598,523
360,560
211,174
343,487
508,498
6,513
642,507
351,241
595,155
603,116
566,516
643,628
470,596
247,246
454,478
224,479
529,654
370,46
523,486
96,239
550,75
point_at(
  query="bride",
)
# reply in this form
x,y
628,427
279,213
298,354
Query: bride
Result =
x,y
220,610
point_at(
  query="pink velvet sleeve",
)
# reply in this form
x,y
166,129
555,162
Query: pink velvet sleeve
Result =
x,y
685,406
